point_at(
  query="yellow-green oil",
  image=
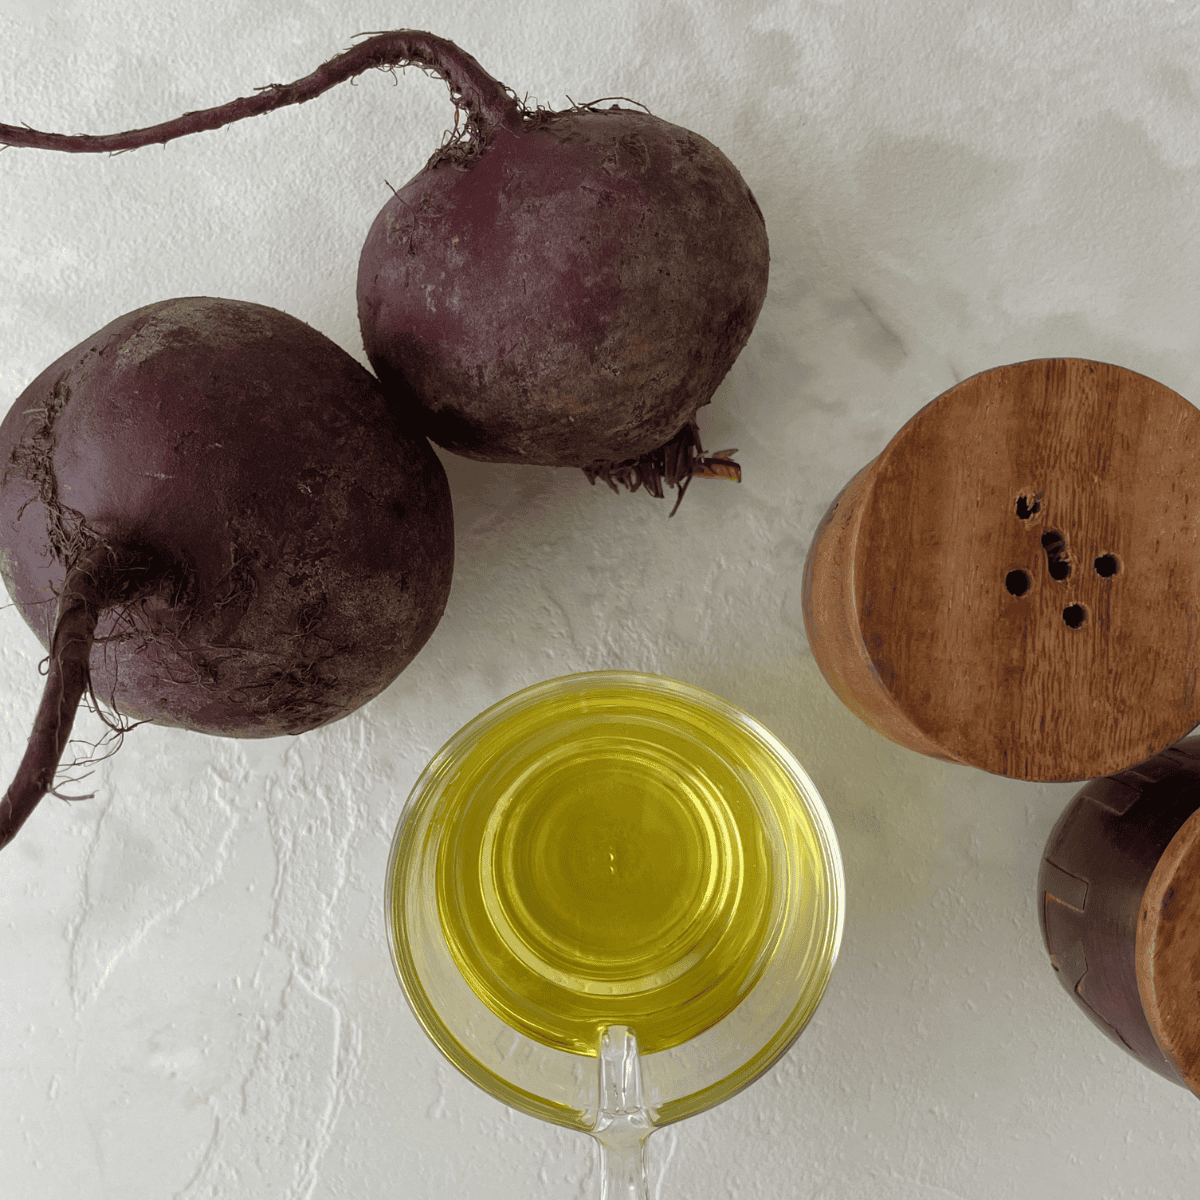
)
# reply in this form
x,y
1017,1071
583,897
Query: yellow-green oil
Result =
x,y
616,859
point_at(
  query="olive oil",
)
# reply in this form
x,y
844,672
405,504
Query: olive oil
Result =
x,y
619,855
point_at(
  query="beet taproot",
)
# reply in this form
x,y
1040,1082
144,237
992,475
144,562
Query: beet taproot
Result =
x,y
212,518
557,288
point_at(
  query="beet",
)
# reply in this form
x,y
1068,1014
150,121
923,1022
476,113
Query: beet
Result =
x,y
561,288
572,295
212,518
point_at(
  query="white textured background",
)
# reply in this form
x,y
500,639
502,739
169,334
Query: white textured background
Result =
x,y
196,999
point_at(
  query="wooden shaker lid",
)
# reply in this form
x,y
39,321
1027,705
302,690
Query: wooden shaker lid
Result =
x,y
1014,583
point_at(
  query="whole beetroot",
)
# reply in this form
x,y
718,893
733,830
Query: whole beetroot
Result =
x,y
212,518
561,288
569,295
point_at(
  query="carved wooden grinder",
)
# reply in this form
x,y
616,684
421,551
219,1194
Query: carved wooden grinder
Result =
x,y
1014,583
1119,901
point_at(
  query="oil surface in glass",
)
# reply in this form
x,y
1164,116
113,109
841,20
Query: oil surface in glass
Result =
x,y
619,858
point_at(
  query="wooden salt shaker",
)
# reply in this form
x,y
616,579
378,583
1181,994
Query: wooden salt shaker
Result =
x,y
1014,583
1119,900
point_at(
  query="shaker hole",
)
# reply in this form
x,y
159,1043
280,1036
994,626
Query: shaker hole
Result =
x,y
1107,565
1017,582
1055,546
1026,507
1074,615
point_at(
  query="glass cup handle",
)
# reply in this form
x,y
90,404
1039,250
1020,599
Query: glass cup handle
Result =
x,y
623,1167
622,1122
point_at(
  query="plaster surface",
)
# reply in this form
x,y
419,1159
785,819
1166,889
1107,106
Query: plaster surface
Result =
x,y
197,1000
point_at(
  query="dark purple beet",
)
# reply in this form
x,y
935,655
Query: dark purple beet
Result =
x,y
562,288
571,295
225,500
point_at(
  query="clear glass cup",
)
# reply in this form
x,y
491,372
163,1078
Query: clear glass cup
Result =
x,y
613,900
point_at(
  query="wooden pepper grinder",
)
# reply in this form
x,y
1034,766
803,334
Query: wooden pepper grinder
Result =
x,y
1014,583
1119,900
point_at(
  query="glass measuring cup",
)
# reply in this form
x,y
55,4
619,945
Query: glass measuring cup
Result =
x,y
613,900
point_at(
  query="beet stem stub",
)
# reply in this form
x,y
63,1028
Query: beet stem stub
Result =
x,y
486,102
99,578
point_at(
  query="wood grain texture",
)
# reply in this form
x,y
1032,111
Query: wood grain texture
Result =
x,y
1168,952
1013,583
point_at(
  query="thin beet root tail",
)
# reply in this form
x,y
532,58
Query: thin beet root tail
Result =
x,y
487,103
100,578
673,464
